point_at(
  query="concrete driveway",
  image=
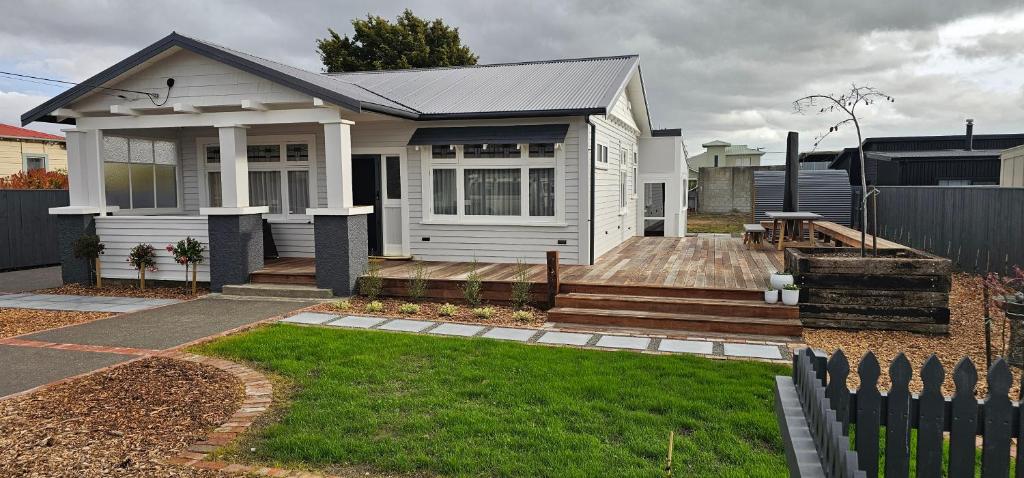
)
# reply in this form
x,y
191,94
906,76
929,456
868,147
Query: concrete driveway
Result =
x,y
29,279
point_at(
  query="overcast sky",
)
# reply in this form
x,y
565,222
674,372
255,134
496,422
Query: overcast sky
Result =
x,y
718,70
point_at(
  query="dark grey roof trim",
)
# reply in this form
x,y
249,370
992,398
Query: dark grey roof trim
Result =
x,y
666,132
538,133
513,114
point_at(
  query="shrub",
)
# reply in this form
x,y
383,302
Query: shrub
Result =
x,y
418,281
483,312
371,284
375,306
521,286
522,316
142,258
189,253
89,247
36,179
791,287
471,290
447,310
343,304
409,308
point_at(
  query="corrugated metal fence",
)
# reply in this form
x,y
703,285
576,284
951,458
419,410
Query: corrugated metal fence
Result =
x,y
979,228
28,233
826,192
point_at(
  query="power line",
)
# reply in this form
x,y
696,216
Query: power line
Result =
x,y
25,78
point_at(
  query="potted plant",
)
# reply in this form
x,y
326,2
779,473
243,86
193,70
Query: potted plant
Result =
x,y
781,279
791,294
189,253
1008,290
771,296
89,247
141,258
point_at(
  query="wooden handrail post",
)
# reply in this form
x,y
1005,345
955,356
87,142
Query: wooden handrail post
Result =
x,y
553,277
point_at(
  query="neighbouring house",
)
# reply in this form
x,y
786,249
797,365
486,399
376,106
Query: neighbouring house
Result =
x,y
953,160
25,150
722,154
817,160
492,162
1011,169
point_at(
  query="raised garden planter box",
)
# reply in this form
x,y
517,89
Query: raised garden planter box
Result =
x,y
901,289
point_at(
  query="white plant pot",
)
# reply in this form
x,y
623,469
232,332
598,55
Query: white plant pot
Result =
x,y
779,281
771,296
790,297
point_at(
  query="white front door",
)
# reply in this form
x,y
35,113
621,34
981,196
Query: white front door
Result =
x,y
394,186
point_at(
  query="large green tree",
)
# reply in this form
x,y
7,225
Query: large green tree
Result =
x,y
409,42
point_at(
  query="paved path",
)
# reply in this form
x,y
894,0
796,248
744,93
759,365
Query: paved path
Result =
x,y
40,358
714,347
81,303
30,279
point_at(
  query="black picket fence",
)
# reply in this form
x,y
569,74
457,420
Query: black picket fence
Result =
x,y
832,411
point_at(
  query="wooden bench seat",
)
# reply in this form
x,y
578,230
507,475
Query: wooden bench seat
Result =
x,y
850,237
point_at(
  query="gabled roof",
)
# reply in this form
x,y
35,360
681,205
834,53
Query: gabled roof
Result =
x,y
8,131
568,87
716,142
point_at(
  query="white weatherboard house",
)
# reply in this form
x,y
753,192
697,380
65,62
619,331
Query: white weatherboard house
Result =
x,y
493,162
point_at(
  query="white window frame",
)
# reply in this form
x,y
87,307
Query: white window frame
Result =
x,y
524,163
179,181
282,166
25,156
601,159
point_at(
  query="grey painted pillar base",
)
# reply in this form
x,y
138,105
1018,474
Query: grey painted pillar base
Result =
x,y
342,252
236,248
69,228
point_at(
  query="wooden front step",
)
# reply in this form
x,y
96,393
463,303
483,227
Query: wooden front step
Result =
x,y
260,277
689,322
678,305
659,291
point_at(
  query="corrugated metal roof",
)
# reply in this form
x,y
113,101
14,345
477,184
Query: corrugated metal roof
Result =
x,y
556,85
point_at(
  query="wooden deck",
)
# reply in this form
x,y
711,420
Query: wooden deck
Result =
x,y
704,261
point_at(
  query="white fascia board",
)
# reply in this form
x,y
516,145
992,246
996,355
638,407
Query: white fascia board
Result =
x,y
340,211
233,211
312,115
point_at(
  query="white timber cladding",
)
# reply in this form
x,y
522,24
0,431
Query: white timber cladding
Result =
x,y
121,233
613,222
294,239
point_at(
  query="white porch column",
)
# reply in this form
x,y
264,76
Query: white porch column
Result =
x,y
338,150
86,188
93,168
234,166
78,185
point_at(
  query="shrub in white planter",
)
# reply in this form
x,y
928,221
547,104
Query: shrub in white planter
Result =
x,y
780,280
791,294
771,296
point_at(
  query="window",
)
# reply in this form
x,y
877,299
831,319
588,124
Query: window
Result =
x,y
716,160
280,177
602,154
393,176
654,209
442,151
504,183
140,173
622,189
34,161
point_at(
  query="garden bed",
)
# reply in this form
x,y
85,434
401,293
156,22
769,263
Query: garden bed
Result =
x,y
14,322
428,309
121,422
901,289
127,290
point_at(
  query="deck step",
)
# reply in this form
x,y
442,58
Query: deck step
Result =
x,y
678,305
671,321
282,278
290,291
661,291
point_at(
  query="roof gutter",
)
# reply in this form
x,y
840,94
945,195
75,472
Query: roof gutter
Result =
x,y
593,177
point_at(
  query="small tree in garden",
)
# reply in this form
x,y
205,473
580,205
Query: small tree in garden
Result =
x,y
371,284
89,247
846,103
418,281
142,258
189,253
521,285
472,289
1008,290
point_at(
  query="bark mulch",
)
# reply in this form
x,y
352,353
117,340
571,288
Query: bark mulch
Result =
x,y
966,338
14,322
120,422
428,311
151,292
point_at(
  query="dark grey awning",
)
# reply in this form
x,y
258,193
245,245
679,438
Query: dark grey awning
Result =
x,y
535,133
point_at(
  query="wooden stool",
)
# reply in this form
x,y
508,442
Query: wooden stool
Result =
x,y
753,234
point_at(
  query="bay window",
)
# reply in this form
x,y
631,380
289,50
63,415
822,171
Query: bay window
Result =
x,y
501,183
140,174
281,175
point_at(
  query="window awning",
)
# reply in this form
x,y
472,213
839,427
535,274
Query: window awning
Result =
x,y
537,133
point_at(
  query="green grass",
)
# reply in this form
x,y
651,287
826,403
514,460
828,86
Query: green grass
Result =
x,y
406,403
717,223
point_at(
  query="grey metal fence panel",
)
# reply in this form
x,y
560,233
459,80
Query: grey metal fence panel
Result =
x,y
28,233
979,228
826,192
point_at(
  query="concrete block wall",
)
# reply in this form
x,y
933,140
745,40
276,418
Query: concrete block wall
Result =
x,y
727,189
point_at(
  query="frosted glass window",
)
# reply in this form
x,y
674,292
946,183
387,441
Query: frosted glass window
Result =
x,y
265,190
542,192
493,192
445,192
117,186
165,152
140,150
115,149
298,192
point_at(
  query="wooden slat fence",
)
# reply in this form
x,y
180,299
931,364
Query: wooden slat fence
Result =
x,y
28,233
832,411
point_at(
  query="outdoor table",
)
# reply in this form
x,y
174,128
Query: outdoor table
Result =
x,y
776,216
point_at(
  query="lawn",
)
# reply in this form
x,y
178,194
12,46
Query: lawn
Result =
x,y
402,403
716,223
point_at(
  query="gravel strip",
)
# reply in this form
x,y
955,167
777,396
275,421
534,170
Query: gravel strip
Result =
x,y
15,322
120,422
180,293
966,337
428,311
